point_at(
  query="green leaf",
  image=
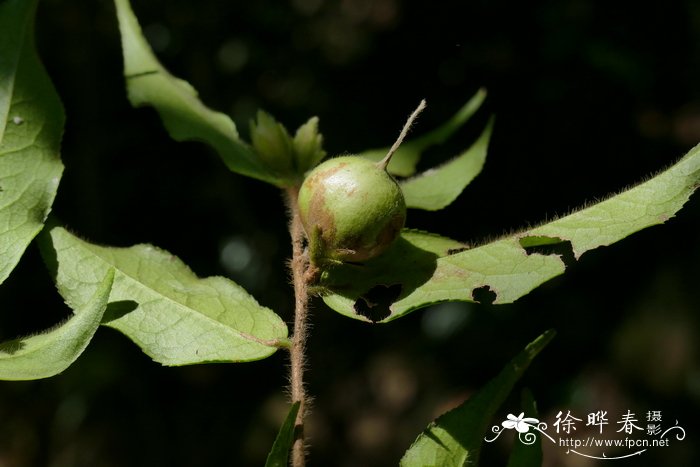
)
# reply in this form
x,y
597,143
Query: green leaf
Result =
x,y
279,454
175,317
524,454
51,352
409,263
31,125
403,162
455,438
650,203
436,188
308,146
183,114
272,143
510,267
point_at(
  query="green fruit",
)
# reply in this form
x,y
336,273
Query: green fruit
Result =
x,y
351,208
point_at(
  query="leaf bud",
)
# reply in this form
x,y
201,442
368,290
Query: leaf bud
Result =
x,y
308,146
272,143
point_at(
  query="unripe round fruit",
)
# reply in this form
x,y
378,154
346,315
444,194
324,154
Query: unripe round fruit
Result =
x,y
354,207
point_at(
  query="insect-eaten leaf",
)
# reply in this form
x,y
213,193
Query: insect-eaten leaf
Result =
x,y
367,291
31,125
48,354
510,267
182,112
454,439
158,302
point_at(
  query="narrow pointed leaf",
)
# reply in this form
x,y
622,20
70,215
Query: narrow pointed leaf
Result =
x,y
455,438
403,162
436,188
31,125
510,267
48,354
158,302
526,454
650,203
279,454
183,114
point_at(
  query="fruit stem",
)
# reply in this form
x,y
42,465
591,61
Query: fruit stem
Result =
x,y
407,126
300,266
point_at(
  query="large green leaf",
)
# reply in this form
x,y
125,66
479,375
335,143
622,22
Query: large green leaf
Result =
x,y
436,188
365,291
403,162
410,276
279,454
183,114
31,125
175,317
455,438
49,353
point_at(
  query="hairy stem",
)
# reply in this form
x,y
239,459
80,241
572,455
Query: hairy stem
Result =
x,y
299,266
407,126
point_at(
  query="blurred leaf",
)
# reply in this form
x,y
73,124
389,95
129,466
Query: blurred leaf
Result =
x,y
455,438
308,146
31,125
279,454
512,266
403,162
51,352
523,454
272,143
183,114
436,188
175,317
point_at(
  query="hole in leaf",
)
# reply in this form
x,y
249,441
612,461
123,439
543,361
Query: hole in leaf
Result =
x,y
116,310
484,295
550,246
374,305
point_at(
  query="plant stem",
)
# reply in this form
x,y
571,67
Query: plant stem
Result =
x,y
297,352
407,126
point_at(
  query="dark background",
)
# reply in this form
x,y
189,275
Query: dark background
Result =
x,y
589,97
